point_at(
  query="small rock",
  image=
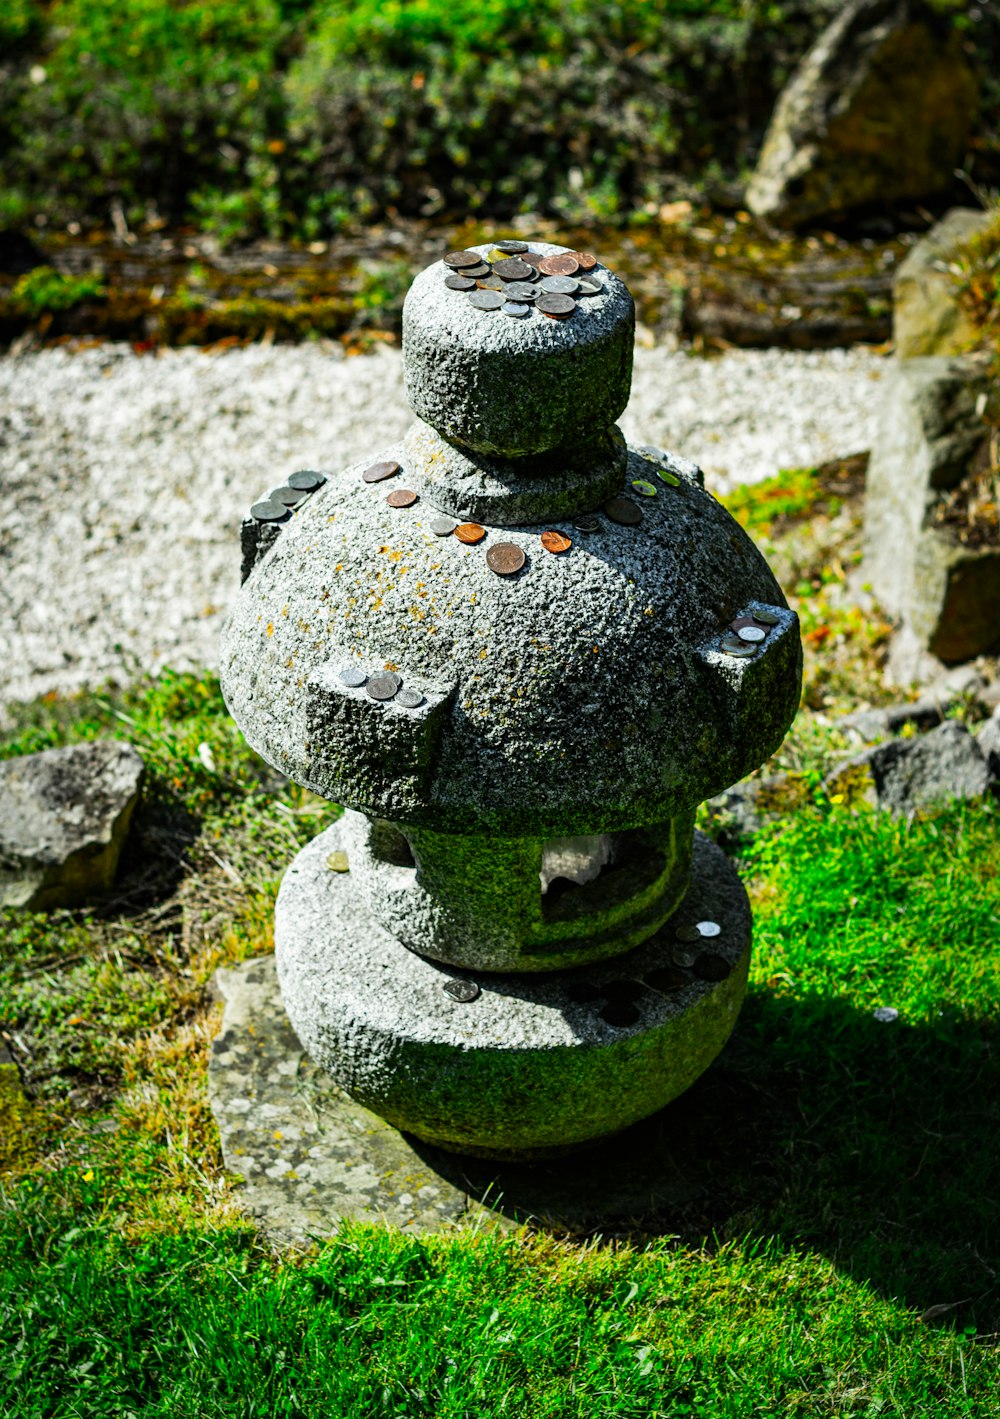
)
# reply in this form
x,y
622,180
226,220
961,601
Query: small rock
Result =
x,y
988,740
908,774
64,815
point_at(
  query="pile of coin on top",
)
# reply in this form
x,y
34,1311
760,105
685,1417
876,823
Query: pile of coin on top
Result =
x,y
515,280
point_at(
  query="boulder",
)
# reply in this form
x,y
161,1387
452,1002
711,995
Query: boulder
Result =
x,y
879,110
928,317
64,815
988,740
906,775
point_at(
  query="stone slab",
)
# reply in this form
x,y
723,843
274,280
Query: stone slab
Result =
x,y
928,314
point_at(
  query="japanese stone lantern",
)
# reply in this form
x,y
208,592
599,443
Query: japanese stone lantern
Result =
x,y
520,654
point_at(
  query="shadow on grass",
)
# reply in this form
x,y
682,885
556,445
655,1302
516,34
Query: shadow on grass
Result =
x,y
877,1144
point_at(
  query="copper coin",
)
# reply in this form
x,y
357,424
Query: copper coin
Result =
x,y
557,306
532,258
710,966
623,511
505,558
554,541
741,621
458,260
586,260
470,532
383,686
378,471
565,264
460,283
667,979
512,268
402,497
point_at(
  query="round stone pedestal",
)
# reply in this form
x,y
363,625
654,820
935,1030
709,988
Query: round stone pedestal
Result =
x,y
507,1066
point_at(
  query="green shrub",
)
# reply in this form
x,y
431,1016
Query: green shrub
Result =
x,y
45,290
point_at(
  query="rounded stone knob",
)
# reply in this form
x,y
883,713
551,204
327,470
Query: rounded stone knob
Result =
x,y
517,387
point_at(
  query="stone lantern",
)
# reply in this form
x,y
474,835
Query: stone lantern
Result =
x,y
520,654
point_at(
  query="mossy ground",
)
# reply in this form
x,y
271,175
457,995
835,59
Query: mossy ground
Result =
x,y
841,1258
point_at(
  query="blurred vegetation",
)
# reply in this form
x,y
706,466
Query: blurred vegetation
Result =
x,y
296,117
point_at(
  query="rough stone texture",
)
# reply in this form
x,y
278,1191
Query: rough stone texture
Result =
x,y
516,387
879,110
930,709
928,317
522,1071
909,774
988,740
64,816
589,694
930,430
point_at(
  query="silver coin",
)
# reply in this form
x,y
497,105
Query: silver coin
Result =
x,y
588,287
483,269
559,285
520,291
516,308
732,645
442,527
753,635
512,248
383,686
409,699
286,495
353,678
685,956
486,300
766,618
463,991
306,480
460,283
587,522
267,511
709,928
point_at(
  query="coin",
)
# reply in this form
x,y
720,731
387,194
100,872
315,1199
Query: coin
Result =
x,y
505,558
495,254
470,532
459,260
512,268
646,489
587,287
379,471
409,699
402,497
621,1015
710,966
562,265
520,291
485,300
288,496
267,511
709,928
668,477
518,309
306,481
383,686
512,248
732,645
687,933
624,512
767,618
559,285
621,991
667,979
442,527
555,541
581,992
587,522
490,283
753,635
555,305
533,259
586,260
483,269
353,678
337,862
463,991
685,956
460,283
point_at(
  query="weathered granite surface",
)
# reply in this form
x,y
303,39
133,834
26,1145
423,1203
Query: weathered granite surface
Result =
x,y
928,315
906,775
879,110
523,1070
64,816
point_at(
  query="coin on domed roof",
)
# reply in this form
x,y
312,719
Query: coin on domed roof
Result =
x,y
685,956
483,269
306,480
458,260
555,541
732,645
512,248
647,490
383,686
586,260
376,472
512,268
624,512
442,527
671,479
589,288
460,283
518,309
353,678
709,928
409,699
505,558
470,532
464,991
753,635
520,291
268,511
687,933
533,259
485,300
286,495
559,307
767,618
490,283
587,522
563,264
559,285
402,497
